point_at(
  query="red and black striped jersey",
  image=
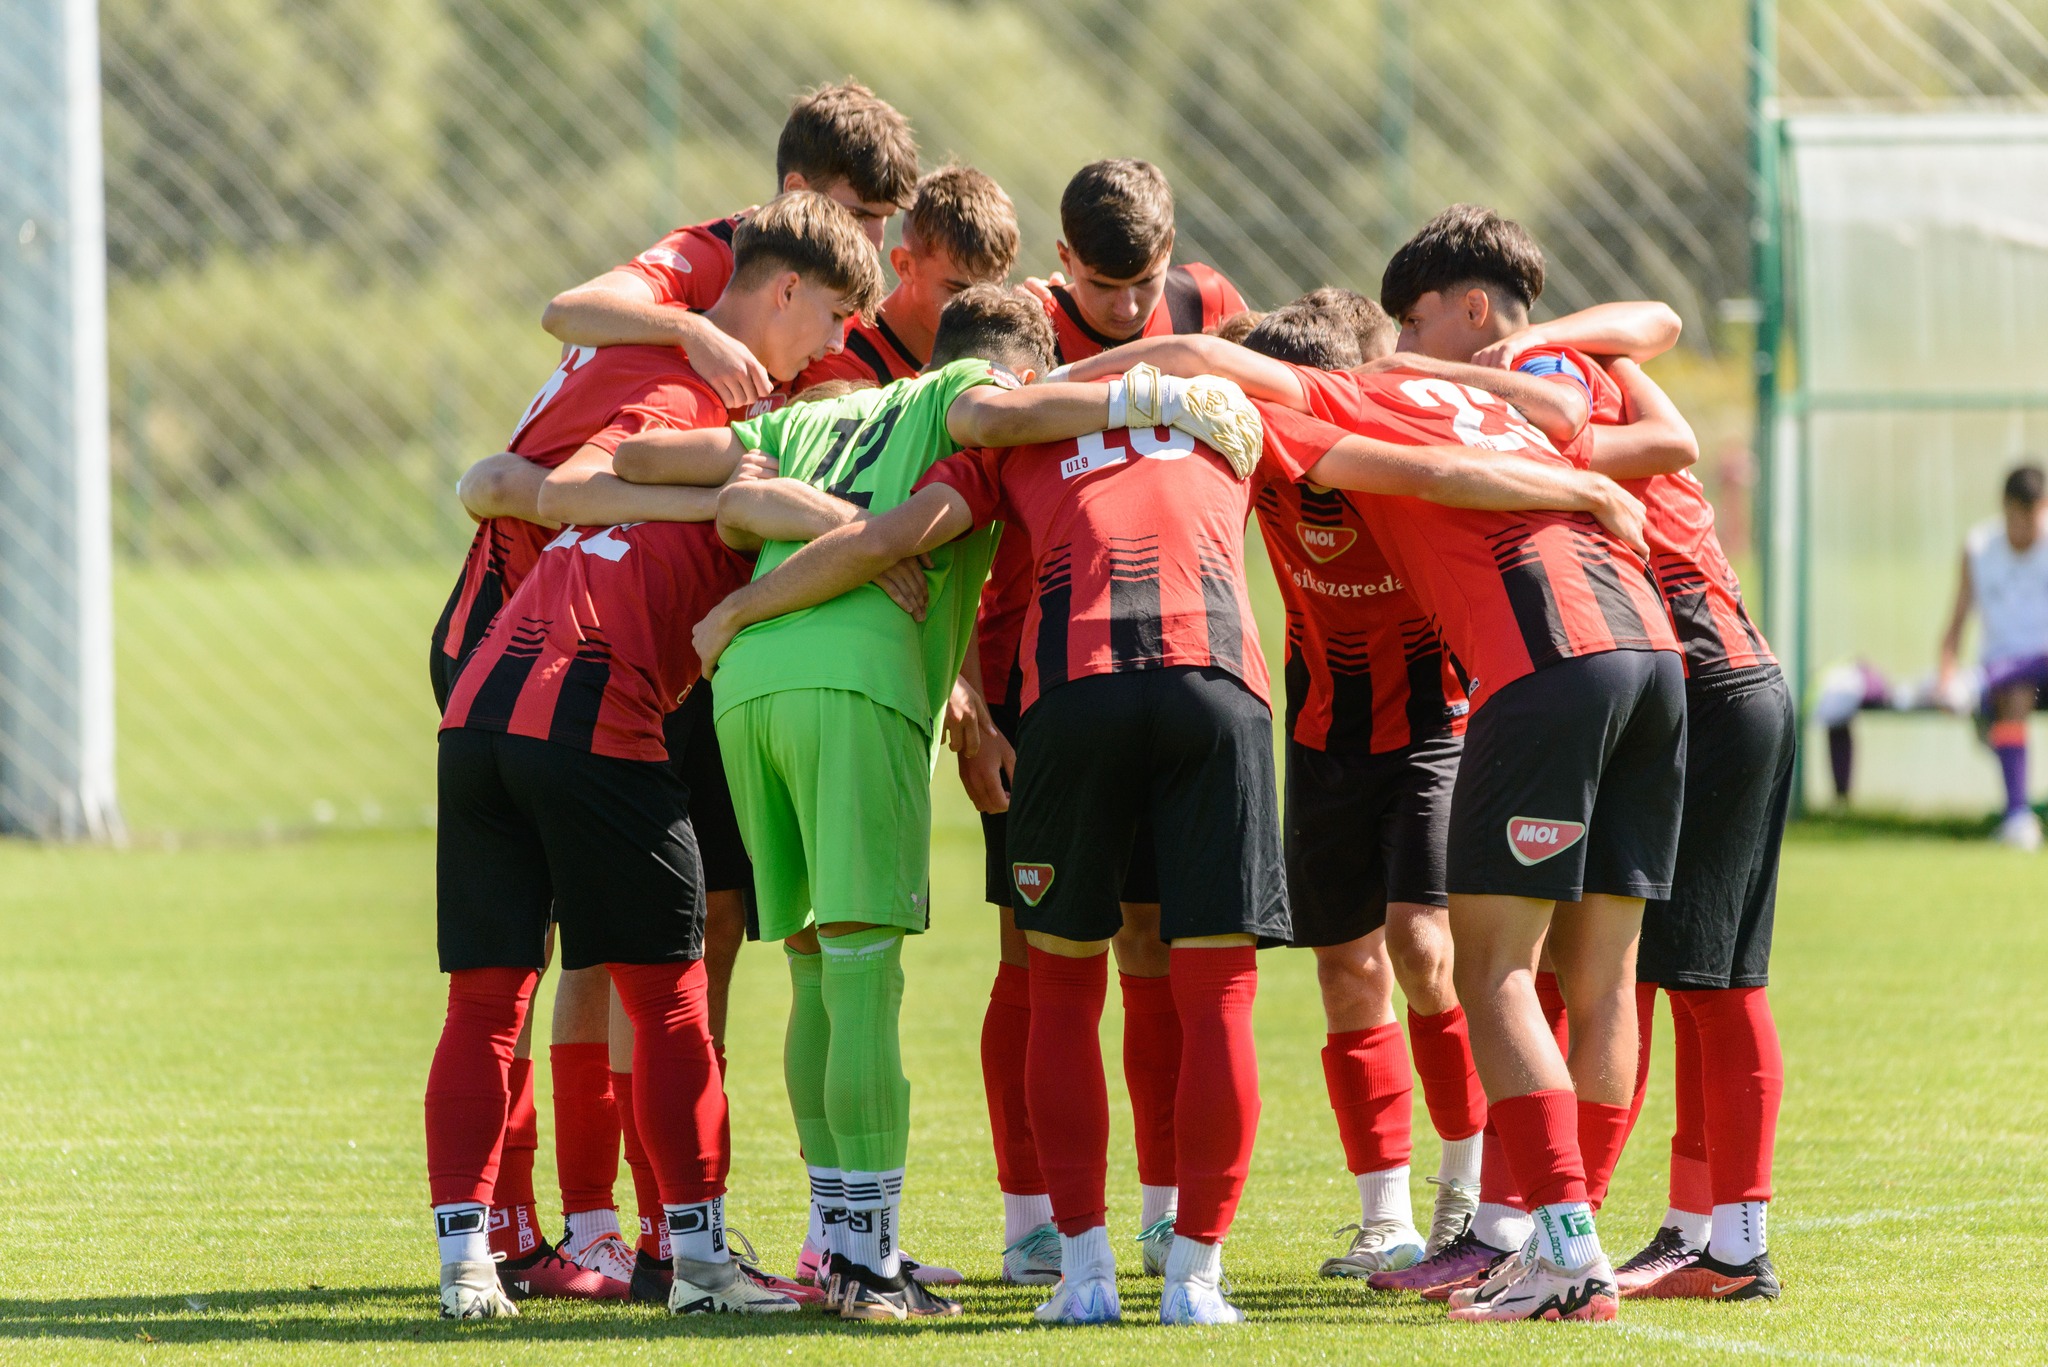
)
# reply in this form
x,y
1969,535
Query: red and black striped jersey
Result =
x,y
1366,670
690,266
1137,556
1197,298
594,649
597,396
873,353
1692,572
1511,592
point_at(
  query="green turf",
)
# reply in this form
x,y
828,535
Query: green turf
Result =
x,y
214,1060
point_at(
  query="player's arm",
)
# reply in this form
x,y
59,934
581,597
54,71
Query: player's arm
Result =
x,y
585,491
619,308
672,455
986,765
504,485
1952,635
988,415
1260,377
1558,408
1460,477
1638,329
1656,439
763,510
837,562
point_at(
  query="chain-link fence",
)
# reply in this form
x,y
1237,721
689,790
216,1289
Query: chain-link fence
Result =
x,y
332,228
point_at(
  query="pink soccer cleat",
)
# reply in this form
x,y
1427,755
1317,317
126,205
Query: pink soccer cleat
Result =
x,y
1545,1291
1462,1258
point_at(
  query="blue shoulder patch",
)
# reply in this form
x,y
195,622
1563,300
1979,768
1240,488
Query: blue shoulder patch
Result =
x,y
1551,365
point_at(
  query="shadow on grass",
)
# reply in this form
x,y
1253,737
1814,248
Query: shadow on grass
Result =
x,y
402,1314
1860,825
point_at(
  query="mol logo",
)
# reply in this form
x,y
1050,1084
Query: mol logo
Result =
x,y
1531,839
1033,881
1325,543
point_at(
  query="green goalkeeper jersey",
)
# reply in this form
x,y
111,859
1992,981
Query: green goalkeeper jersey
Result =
x,y
871,448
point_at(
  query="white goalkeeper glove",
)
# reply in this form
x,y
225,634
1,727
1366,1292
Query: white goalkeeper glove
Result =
x,y
1212,409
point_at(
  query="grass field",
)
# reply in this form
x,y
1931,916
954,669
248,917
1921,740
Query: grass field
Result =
x,y
214,1058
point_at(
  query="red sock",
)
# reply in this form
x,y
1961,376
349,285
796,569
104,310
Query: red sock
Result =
x,y
1442,1045
586,1126
1373,1096
1603,1133
1539,1132
653,1240
1069,1097
1152,1053
1646,1021
1496,1179
1213,989
1551,997
678,1106
1691,1188
515,1220
468,1090
1743,1076
1005,1035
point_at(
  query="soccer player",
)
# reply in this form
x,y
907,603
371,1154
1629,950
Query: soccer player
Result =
x,y
801,260
839,140
1118,281
1144,696
2004,576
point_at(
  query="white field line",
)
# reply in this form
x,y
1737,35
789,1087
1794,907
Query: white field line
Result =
x,y
1747,1347
1799,1225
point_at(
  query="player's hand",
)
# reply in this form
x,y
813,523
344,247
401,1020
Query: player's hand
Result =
x,y
725,364
986,774
905,584
755,465
711,636
1621,513
967,720
1207,407
1503,354
1041,287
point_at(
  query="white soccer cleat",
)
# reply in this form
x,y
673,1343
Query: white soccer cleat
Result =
x,y
722,1289
1503,1275
1033,1260
1383,1246
1092,1301
1155,1241
1545,1291
1192,1302
470,1291
608,1255
2020,830
1456,1204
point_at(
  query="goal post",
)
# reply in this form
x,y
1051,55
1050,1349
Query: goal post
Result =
x,y
56,555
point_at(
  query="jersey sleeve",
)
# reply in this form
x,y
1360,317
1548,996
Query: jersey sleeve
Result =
x,y
977,477
1333,396
687,268
1563,365
665,406
764,433
1295,441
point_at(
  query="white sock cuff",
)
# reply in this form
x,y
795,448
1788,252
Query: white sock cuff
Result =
x,y
588,1226
1499,1226
462,1230
871,1190
1738,1233
1692,1226
1087,1255
1195,1262
1156,1204
1024,1212
1565,1233
1460,1161
1383,1196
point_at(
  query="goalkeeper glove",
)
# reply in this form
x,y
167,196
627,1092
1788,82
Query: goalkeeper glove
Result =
x,y
1211,409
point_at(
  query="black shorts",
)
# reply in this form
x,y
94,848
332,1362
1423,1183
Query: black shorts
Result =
x,y
532,832
1572,781
1190,748
1363,830
1141,879
693,753
1715,929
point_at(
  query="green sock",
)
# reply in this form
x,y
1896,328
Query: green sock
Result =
x,y
805,1048
867,1098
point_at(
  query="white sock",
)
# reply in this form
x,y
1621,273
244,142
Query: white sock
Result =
x,y
827,1196
1156,1204
1383,1197
1199,1263
869,1235
697,1231
462,1228
1692,1226
1499,1226
586,1227
1738,1232
1460,1161
1564,1233
1087,1256
1022,1214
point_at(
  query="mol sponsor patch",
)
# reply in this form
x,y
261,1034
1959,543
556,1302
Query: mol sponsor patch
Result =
x,y
1325,544
1033,881
1533,839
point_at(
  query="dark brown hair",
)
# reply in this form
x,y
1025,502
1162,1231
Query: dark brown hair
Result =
x,y
1369,323
1318,338
962,211
994,324
1117,216
1465,245
816,237
843,132
2025,485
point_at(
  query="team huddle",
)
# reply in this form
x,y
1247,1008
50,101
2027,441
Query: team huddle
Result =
x,y
769,537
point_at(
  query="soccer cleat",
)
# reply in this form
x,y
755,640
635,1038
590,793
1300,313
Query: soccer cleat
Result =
x,y
1384,1246
1456,1204
803,1293
1033,1260
811,1266
1462,1258
1092,1301
1491,1283
1197,1303
1705,1279
722,1289
1155,1241
1545,1291
608,1255
651,1279
1662,1256
865,1295
470,1291
544,1272
2021,830
930,1274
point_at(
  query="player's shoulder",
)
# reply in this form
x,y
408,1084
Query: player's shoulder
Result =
x,y
679,249
1984,536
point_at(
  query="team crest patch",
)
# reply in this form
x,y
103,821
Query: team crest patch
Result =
x,y
1532,839
1033,881
1325,544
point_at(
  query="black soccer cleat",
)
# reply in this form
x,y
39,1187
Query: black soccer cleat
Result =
x,y
652,1278
1706,1279
867,1295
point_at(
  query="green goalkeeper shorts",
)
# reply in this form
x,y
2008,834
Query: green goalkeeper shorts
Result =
x,y
833,792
